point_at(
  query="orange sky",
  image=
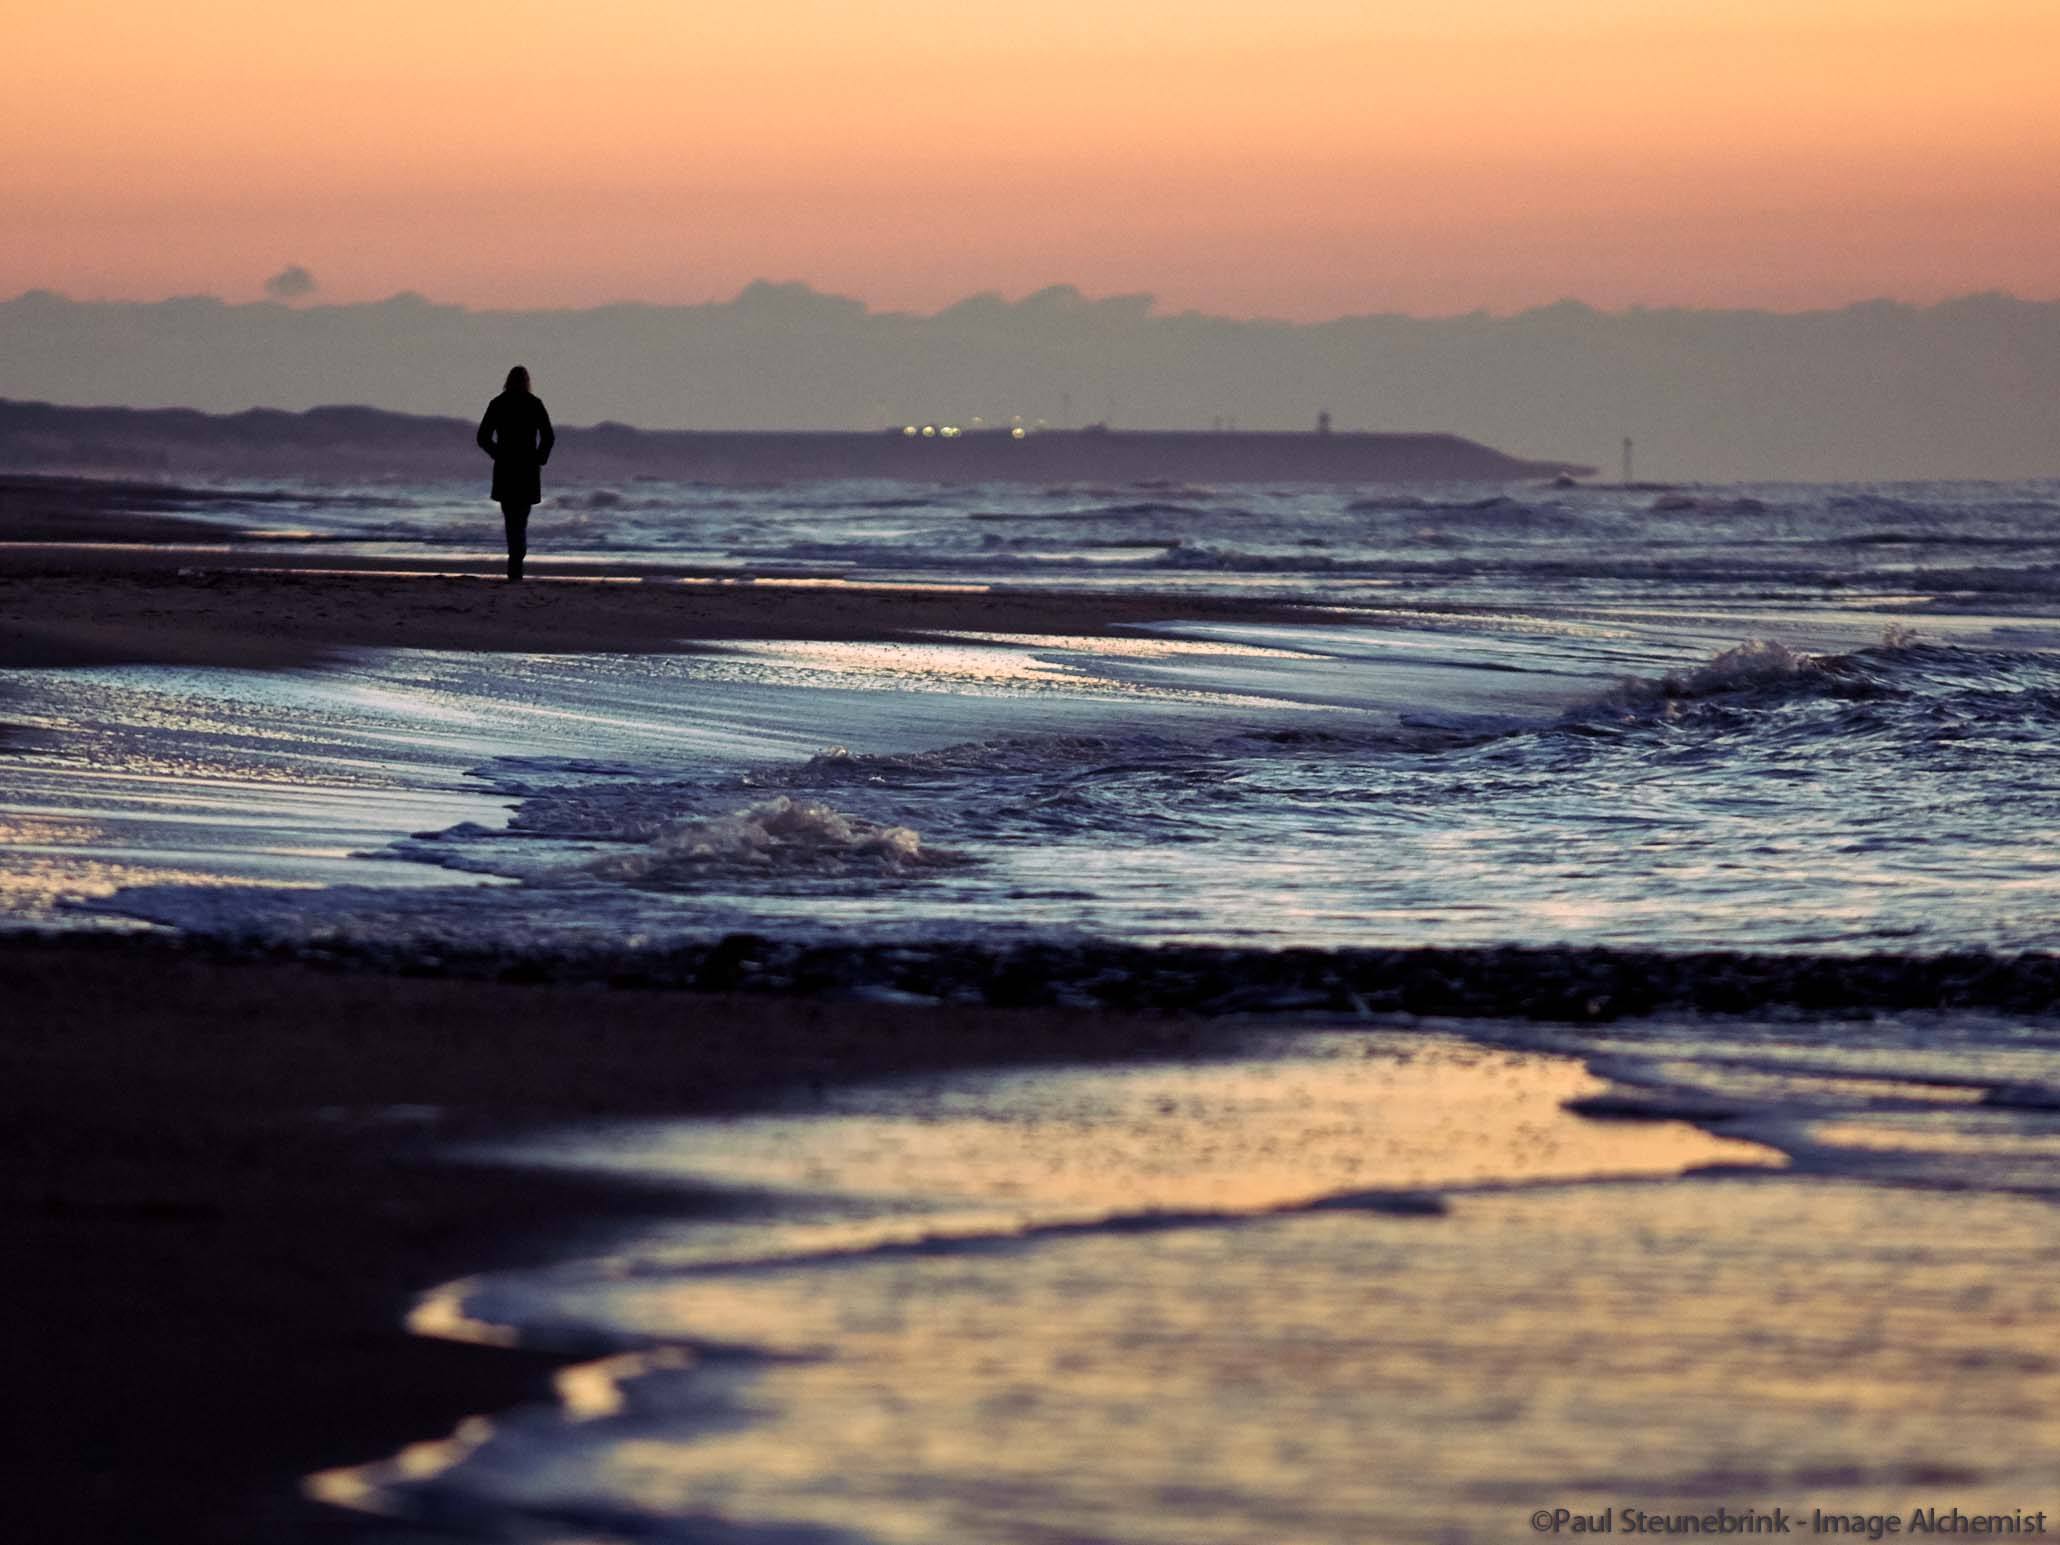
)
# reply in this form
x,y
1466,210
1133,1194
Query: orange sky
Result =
x,y
1303,158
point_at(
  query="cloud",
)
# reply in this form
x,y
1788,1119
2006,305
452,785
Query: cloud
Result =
x,y
290,283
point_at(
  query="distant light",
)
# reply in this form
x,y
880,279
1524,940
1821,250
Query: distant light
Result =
x,y
911,429
1018,432
929,431
951,431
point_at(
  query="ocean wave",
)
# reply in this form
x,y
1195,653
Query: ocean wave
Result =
x,y
1754,666
1953,538
1229,560
1126,510
1172,488
867,502
589,499
1921,694
1706,504
1099,513
612,500
1416,504
1497,513
1166,487
780,833
1026,754
1953,511
528,774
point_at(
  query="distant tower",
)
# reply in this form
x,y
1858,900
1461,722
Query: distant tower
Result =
x,y
1323,422
1627,459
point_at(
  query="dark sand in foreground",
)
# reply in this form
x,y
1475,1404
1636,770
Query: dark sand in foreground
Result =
x,y
217,1219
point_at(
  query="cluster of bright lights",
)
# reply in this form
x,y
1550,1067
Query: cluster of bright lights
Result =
x,y
951,431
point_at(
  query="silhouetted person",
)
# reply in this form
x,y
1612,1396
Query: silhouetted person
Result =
x,y
516,432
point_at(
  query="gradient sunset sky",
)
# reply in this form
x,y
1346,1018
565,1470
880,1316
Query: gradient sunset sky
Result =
x,y
1300,158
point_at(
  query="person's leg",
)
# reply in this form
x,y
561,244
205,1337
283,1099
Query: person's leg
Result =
x,y
515,518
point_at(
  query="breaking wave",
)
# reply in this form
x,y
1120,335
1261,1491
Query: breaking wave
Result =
x,y
1758,665
782,833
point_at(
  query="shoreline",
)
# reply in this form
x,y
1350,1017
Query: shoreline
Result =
x,y
105,572
104,605
226,1179
1564,984
230,1168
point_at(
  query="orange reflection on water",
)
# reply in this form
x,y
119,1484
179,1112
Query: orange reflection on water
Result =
x,y
1340,1377
1268,1368
1324,1114
1886,1136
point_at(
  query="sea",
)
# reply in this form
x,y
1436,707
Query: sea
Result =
x,y
1365,1274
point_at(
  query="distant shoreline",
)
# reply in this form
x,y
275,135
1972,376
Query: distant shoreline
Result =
x,y
365,442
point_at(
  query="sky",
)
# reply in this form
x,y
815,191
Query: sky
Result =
x,y
1299,159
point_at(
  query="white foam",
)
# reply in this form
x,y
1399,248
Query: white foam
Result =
x,y
779,832
1752,666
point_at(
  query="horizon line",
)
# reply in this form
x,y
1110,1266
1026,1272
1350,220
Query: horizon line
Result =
x,y
1137,304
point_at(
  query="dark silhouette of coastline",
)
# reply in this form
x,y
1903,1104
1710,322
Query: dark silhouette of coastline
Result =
x,y
363,442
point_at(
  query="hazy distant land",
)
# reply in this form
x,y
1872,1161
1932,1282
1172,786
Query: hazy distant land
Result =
x,y
357,442
1969,388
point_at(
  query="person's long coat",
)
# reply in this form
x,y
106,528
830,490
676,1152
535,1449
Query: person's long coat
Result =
x,y
516,432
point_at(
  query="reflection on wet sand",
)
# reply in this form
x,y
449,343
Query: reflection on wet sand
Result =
x,y
1344,1377
1205,1301
1311,1116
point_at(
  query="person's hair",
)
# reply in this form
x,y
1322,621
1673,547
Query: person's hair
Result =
x,y
518,379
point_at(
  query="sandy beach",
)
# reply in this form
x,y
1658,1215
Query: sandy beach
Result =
x,y
230,1180
212,608
95,573
224,1189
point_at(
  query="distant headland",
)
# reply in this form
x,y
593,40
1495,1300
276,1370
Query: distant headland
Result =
x,y
355,442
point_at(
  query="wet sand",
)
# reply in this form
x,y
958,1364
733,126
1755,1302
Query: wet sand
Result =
x,y
102,606
222,1195
98,573
53,508
226,1181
